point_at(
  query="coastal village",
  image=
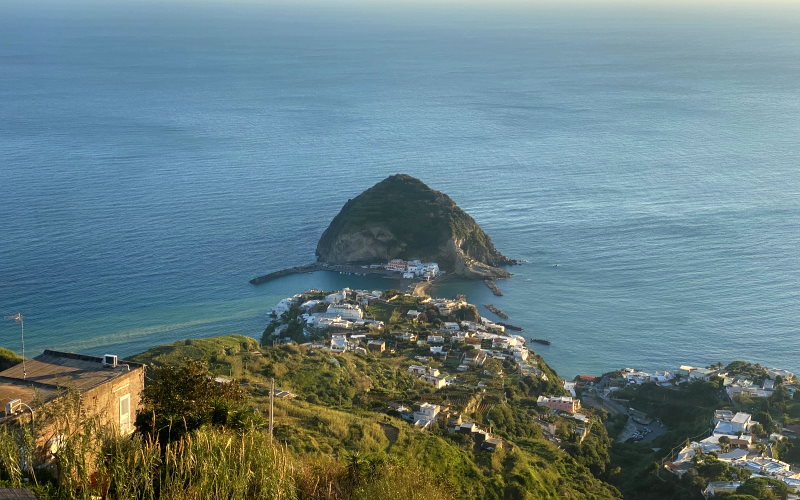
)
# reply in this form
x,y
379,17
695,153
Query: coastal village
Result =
x,y
734,438
450,344
424,366
442,349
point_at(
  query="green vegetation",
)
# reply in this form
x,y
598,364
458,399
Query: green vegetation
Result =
x,y
181,398
212,350
338,433
402,217
764,488
341,411
687,412
635,467
743,369
209,463
8,358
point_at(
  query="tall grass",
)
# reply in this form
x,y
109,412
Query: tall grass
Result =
x,y
222,464
12,455
209,463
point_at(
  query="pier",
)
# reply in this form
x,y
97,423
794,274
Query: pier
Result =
x,y
496,310
493,287
309,268
354,269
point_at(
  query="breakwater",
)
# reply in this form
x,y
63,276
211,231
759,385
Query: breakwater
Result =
x,y
321,266
493,287
496,310
309,268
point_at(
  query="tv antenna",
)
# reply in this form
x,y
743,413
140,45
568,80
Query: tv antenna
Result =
x,y
18,318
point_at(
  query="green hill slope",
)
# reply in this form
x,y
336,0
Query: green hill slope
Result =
x,y
340,409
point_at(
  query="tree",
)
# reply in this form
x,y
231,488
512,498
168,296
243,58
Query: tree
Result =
x,y
764,488
179,399
766,421
758,430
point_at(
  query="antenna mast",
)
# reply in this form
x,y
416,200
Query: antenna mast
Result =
x,y
271,407
18,318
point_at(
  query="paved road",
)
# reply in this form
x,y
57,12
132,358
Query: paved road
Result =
x,y
596,401
656,428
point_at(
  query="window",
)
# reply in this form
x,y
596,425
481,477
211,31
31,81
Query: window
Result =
x,y
125,414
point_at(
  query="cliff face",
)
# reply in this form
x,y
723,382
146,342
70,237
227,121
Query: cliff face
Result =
x,y
401,217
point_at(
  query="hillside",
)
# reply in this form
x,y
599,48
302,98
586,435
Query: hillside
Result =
x,y
340,408
8,358
401,217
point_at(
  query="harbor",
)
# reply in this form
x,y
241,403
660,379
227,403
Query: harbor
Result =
x,y
347,269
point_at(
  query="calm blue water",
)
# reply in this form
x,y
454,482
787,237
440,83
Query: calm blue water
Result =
x,y
154,158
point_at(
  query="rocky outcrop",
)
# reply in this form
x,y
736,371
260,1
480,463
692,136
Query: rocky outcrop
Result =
x,y
401,217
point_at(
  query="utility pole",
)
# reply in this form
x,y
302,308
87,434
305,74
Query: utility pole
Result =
x,y
271,407
18,318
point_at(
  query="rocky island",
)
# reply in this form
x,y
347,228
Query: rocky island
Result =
x,y
401,217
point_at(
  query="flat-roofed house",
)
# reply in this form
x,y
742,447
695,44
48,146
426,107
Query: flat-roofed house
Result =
x,y
376,346
437,382
110,390
740,422
339,343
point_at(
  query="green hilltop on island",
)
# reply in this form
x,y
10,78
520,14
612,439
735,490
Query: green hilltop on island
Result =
x,y
401,219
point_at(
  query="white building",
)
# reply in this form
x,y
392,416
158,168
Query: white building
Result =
x,y
722,415
423,370
427,411
437,382
337,297
426,415
348,312
715,487
741,422
520,353
702,374
282,307
338,343
310,304
336,322
414,267
736,428
777,372
430,270
766,466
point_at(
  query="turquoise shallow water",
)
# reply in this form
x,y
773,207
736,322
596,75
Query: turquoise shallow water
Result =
x,y
155,158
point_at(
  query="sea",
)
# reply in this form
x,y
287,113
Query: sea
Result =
x,y
643,158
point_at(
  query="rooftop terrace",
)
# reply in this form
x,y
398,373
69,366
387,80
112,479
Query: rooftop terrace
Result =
x,y
49,374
